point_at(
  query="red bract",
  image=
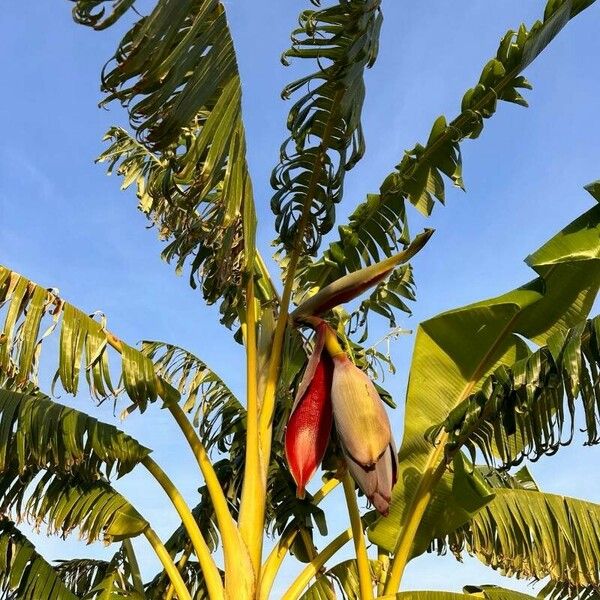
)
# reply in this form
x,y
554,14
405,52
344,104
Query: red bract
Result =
x,y
309,427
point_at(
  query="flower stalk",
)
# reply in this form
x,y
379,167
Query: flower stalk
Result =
x,y
362,558
273,563
316,564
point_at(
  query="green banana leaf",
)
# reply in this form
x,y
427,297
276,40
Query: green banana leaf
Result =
x,y
456,350
25,574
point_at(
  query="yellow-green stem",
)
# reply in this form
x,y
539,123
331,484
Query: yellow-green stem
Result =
x,y
433,473
168,564
134,567
207,564
265,422
237,562
252,486
362,558
383,558
273,563
180,565
265,428
315,565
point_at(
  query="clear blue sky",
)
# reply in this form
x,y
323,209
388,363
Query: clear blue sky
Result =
x,y
65,224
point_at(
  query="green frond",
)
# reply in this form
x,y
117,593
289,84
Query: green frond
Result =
x,y
561,591
217,413
378,227
501,478
326,137
176,74
82,574
83,340
388,297
64,503
36,432
110,588
93,13
493,592
435,595
24,574
521,411
471,592
419,595
534,535
457,350
99,579
113,587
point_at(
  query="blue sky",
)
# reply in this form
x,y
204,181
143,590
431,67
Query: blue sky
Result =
x,y
65,224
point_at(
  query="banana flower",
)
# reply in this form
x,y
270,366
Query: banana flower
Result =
x,y
309,427
334,389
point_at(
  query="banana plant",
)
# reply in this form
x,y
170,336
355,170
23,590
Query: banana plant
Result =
x,y
490,384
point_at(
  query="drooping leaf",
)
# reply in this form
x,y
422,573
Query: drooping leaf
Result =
x,y
378,227
192,577
175,72
36,432
560,591
93,579
455,352
522,411
64,503
83,341
216,411
82,574
326,137
93,13
24,574
386,299
533,535
110,587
